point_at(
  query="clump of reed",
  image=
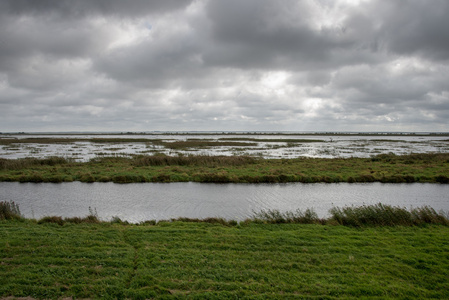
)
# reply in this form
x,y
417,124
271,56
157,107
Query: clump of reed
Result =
x,y
21,163
9,211
411,158
274,216
92,218
220,221
74,220
386,215
193,160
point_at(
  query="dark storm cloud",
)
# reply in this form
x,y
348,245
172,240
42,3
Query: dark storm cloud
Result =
x,y
416,27
236,65
268,34
79,8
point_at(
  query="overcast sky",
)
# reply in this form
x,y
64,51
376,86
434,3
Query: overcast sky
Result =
x,y
171,65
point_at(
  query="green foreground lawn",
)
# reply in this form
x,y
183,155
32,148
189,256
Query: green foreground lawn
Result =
x,y
202,260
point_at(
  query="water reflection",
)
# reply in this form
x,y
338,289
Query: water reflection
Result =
x,y
155,201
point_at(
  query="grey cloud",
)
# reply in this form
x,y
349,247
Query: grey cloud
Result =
x,y
81,8
267,34
405,27
223,65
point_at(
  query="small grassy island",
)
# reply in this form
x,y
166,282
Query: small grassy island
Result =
x,y
433,167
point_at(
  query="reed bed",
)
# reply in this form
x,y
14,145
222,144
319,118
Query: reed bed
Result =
x,y
22,163
386,215
193,160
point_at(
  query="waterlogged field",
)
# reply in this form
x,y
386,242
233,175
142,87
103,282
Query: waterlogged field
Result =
x,y
85,147
173,260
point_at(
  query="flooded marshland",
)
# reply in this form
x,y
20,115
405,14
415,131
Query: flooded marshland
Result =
x,y
86,147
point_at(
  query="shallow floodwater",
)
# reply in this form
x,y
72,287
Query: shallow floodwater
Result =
x,y
330,146
138,202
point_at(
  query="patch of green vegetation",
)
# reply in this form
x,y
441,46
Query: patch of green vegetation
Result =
x,y
176,259
238,169
273,140
200,143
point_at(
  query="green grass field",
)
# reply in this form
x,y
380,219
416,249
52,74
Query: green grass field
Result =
x,y
205,261
239,169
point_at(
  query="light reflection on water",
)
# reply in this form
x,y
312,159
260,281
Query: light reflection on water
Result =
x,y
137,202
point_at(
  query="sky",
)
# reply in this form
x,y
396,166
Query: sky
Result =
x,y
224,65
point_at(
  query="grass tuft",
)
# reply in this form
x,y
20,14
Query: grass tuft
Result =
x,y
309,216
9,211
220,221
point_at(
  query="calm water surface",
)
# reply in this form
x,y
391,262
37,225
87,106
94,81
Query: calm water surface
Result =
x,y
137,202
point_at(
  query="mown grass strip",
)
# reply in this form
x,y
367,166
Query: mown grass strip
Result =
x,y
200,260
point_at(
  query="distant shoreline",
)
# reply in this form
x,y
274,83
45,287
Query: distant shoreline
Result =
x,y
324,133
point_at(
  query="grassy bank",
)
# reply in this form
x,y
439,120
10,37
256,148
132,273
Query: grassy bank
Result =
x,y
382,168
203,260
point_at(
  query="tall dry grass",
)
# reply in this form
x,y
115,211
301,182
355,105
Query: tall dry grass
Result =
x,y
21,163
9,210
201,160
386,215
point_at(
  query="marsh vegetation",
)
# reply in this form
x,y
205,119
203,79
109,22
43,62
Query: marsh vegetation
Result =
x,y
236,169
